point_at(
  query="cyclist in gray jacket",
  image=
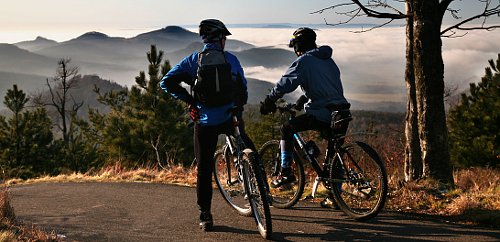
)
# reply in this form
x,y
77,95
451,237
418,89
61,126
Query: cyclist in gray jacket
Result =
x,y
318,76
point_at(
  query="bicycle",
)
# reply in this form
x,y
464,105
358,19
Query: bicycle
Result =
x,y
353,172
239,178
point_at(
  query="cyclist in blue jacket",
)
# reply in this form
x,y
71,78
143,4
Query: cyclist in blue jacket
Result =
x,y
210,121
319,78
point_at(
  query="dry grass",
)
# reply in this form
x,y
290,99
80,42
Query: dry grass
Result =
x,y
11,230
474,199
117,173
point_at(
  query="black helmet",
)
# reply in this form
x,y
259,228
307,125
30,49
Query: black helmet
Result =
x,y
212,29
303,37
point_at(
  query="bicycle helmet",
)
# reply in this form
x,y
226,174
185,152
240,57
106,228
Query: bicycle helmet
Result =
x,y
303,39
212,30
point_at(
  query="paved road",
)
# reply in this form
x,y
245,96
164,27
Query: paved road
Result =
x,y
159,212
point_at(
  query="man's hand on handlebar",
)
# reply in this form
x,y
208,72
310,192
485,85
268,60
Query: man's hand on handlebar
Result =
x,y
299,104
267,106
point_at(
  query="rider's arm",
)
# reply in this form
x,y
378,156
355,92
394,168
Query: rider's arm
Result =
x,y
184,71
288,82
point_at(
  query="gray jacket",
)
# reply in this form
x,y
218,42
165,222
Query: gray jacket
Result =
x,y
319,78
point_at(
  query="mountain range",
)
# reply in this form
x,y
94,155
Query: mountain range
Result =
x,y
29,63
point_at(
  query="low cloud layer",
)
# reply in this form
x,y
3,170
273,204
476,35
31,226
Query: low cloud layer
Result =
x,y
372,63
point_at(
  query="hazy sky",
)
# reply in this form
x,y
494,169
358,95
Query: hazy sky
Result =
x,y
372,63
57,19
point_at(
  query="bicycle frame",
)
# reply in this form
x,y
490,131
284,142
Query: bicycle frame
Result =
x,y
235,149
300,151
352,170
249,184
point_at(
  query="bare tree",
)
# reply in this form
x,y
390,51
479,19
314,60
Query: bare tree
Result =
x,y
60,98
426,150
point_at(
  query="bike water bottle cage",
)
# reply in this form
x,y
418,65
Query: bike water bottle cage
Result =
x,y
312,148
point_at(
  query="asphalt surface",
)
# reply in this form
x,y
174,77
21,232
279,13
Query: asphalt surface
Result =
x,y
158,212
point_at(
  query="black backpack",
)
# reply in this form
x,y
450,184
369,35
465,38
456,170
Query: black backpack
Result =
x,y
214,85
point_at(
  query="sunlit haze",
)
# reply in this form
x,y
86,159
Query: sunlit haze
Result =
x,y
372,63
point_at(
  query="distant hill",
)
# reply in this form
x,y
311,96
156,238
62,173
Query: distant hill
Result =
x,y
84,92
257,90
266,56
37,44
26,82
393,107
116,58
17,60
36,85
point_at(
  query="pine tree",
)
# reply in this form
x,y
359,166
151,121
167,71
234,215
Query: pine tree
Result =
x,y
145,124
475,122
25,138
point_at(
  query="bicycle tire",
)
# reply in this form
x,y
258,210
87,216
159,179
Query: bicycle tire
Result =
x,y
359,185
255,187
287,195
233,190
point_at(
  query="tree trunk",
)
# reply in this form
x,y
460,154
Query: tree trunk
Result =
x,y
413,157
429,81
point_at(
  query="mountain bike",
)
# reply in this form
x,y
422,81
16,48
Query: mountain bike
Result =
x,y
241,181
352,171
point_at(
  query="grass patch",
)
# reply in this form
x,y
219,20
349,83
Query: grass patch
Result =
x,y
11,230
116,173
475,198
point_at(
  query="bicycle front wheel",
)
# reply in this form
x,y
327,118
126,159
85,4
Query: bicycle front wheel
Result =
x,y
359,181
229,180
256,190
286,195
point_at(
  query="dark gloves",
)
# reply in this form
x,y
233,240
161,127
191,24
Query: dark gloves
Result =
x,y
194,113
299,104
267,106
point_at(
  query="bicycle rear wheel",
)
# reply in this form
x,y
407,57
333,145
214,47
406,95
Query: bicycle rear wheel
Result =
x,y
287,195
254,180
229,180
359,181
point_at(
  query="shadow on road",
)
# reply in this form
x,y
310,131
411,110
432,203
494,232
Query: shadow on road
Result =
x,y
334,225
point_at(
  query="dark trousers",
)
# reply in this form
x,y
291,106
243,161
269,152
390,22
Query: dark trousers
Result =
x,y
301,123
205,145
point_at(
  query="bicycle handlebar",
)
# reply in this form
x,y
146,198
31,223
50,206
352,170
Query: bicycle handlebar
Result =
x,y
298,105
287,108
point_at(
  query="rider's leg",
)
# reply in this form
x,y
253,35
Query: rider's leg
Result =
x,y
286,144
297,124
205,142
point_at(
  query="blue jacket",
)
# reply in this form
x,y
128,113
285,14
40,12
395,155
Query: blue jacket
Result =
x,y
319,78
185,71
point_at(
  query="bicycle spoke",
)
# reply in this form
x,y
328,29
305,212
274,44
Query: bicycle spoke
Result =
x,y
286,195
257,195
363,189
230,182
